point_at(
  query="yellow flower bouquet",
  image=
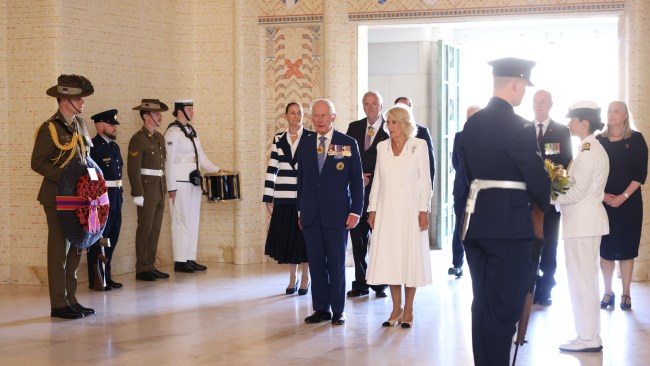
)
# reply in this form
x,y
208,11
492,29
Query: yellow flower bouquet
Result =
x,y
559,178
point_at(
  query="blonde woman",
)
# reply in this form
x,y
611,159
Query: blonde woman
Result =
x,y
400,201
628,156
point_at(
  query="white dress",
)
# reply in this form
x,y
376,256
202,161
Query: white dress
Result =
x,y
401,188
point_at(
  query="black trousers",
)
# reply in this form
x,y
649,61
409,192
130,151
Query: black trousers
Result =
x,y
501,273
457,250
548,260
111,231
360,236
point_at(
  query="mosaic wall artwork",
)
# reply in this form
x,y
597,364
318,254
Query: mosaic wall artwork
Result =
x,y
293,72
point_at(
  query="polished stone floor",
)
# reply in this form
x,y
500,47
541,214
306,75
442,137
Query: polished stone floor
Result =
x,y
239,315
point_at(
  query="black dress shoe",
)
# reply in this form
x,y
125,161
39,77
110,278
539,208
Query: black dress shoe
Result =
x,y
318,316
292,290
356,293
82,309
196,266
381,294
66,312
455,271
145,276
338,319
113,284
159,274
183,267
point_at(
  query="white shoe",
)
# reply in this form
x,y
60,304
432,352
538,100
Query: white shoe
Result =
x,y
580,345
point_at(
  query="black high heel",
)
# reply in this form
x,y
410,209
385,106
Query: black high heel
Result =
x,y
624,304
604,304
304,291
292,290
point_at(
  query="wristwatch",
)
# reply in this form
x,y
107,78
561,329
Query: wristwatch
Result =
x,y
626,195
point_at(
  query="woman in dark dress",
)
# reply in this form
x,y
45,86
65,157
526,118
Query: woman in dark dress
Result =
x,y
285,241
628,160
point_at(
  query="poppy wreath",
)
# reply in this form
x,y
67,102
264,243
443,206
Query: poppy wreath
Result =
x,y
94,214
82,204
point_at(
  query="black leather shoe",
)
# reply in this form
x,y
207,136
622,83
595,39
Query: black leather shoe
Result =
x,y
196,266
145,276
159,274
542,297
455,271
113,284
183,267
381,294
318,316
66,312
82,309
356,293
338,319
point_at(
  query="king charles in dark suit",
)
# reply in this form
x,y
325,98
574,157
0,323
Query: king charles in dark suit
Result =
x,y
330,202
368,132
554,144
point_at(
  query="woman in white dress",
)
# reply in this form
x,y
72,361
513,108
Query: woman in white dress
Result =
x,y
400,201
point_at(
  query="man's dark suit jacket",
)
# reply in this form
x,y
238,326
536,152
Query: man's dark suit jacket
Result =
x,y
461,186
336,191
357,130
423,133
497,145
556,134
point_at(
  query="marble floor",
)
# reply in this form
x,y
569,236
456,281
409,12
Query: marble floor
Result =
x,y
239,315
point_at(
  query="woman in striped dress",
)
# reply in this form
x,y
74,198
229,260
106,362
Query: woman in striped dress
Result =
x,y
285,241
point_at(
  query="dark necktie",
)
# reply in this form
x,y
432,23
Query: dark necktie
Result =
x,y
540,134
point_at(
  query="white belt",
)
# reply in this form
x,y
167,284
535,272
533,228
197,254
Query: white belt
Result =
x,y
154,172
480,184
114,183
185,160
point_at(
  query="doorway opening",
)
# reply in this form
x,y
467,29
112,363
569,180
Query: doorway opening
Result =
x,y
577,59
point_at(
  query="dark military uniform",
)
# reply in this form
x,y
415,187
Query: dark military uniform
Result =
x,y
146,165
107,155
49,156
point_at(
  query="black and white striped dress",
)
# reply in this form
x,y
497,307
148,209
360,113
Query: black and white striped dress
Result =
x,y
285,241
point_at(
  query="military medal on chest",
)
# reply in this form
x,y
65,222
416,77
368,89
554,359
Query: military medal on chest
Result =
x,y
371,132
320,149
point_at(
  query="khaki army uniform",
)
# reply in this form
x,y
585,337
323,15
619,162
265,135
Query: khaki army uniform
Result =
x,y
58,141
146,166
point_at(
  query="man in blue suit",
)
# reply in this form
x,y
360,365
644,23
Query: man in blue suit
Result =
x,y
106,153
330,202
507,176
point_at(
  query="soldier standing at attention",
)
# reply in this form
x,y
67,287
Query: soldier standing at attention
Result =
x,y
106,153
507,177
58,140
146,168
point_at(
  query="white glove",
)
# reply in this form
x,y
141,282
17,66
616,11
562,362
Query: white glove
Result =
x,y
138,200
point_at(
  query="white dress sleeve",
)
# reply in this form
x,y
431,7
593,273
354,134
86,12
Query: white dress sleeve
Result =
x,y
426,186
376,178
205,163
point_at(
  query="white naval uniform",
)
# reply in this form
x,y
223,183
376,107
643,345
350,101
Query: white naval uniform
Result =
x,y
179,164
584,222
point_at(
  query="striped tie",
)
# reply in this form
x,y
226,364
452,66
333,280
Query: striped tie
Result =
x,y
321,153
